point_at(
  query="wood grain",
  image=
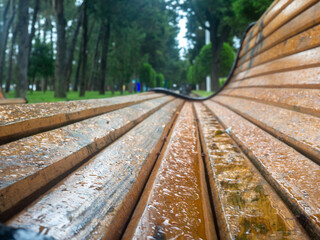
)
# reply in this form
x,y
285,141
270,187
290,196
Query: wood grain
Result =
x,y
30,164
22,120
295,177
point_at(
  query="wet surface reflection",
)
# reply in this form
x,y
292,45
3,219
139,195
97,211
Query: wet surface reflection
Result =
x,y
250,208
174,209
296,177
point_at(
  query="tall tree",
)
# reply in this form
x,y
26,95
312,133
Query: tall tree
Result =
x,y
60,65
83,81
8,16
33,23
104,56
12,51
23,43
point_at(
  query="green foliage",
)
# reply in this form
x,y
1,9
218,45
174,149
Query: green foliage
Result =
x,y
191,78
41,61
227,58
159,80
247,11
202,93
147,75
202,65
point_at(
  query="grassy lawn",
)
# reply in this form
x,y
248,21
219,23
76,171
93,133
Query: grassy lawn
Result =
x,y
48,96
202,93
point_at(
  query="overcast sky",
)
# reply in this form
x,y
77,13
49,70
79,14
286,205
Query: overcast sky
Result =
x,y
183,42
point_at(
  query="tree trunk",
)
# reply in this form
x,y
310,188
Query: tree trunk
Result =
x,y
44,85
60,65
72,49
95,60
33,24
216,49
83,80
104,57
12,51
121,86
7,21
112,86
23,42
76,79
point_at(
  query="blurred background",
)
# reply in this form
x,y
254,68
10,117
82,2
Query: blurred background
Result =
x,y
53,50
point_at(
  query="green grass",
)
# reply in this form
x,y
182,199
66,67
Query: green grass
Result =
x,y
202,93
48,96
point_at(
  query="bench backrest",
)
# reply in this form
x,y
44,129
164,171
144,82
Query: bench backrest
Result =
x,y
276,82
279,62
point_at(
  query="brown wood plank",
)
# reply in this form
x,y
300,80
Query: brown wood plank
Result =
x,y
303,78
1,94
301,42
306,59
297,129
245,204
295,177
96,201
275,8
300,100
7,101
18,121
284,24
175,203
31,163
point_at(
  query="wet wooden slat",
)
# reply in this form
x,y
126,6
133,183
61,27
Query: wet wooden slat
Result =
x,y
31,163
275,8
1,94
96,201
291,21
300,100
301,42
295,177
174,204
246,206
17,121
7,101
306,59
304,78
299,130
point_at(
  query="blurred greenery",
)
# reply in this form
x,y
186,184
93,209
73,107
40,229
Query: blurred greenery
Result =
x,y
202,93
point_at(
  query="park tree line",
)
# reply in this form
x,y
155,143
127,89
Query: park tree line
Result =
x,y
82,45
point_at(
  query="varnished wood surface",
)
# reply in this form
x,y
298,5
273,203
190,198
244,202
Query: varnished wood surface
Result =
x,y
246,205
301,78
96,200
295,177
31,163
276,7
21,120
7,101
308,101
306,59
298,43
175,203
297,129
295,17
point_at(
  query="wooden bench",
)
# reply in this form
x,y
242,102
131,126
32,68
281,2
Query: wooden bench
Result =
x,y
6,101
241,165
